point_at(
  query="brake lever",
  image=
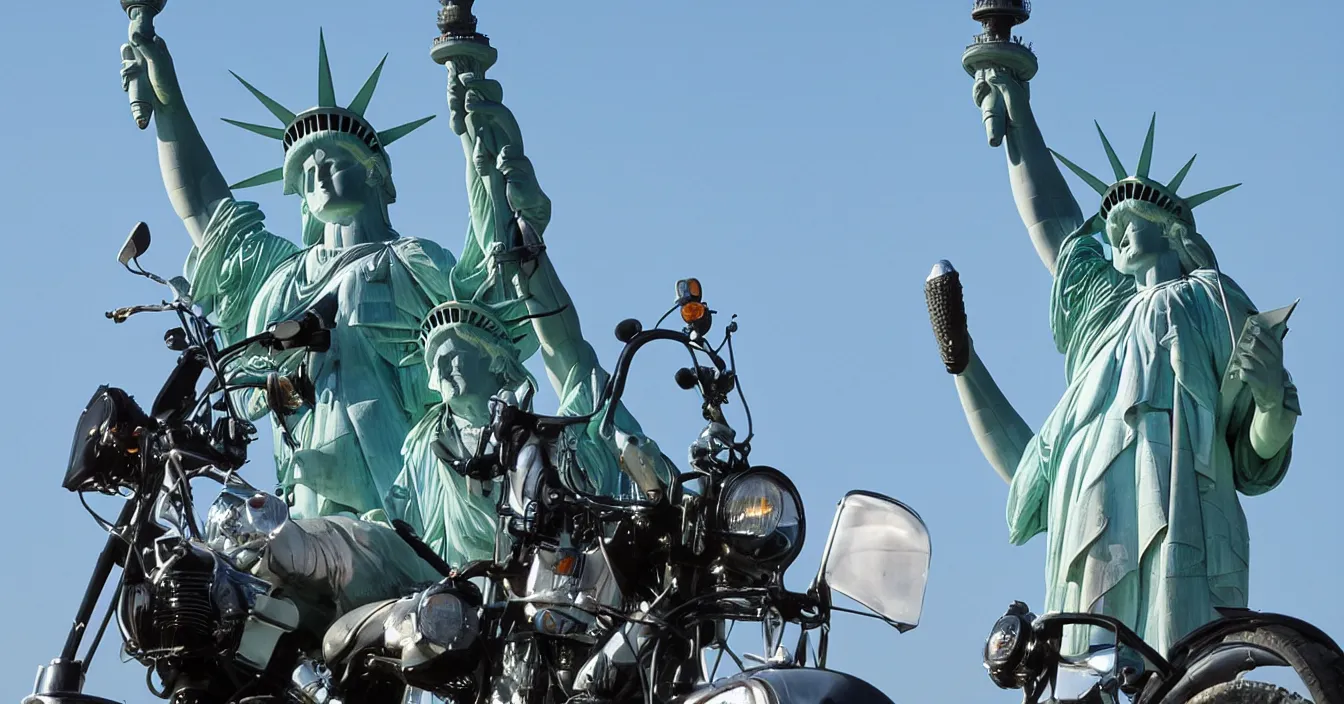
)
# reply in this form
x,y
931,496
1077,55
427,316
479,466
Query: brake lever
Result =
x,y
120,315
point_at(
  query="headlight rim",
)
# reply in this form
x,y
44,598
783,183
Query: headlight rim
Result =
x,y
736,540
417,615
1011,671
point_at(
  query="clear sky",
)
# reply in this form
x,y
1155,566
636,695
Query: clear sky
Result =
x,y
808,161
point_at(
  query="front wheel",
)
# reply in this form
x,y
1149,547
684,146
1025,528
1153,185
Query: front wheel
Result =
x,y
1246,692
1320,667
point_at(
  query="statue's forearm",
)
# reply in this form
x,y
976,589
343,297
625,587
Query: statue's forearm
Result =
x,y
490,136
1270,430
548,299
556,323
190,175
998,429
1043,198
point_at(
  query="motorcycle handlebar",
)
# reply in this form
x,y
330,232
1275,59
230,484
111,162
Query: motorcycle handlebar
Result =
x,y
616,387
1052,626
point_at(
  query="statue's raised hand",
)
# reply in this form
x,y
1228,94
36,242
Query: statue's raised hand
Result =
x,y
1004,102
476,107
149,56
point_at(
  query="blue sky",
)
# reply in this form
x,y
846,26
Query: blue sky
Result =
x,y
807,161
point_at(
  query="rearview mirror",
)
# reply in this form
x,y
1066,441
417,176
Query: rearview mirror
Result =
x,y
878,555
136,244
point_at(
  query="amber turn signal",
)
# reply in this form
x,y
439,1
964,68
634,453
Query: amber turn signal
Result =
x,y
693,311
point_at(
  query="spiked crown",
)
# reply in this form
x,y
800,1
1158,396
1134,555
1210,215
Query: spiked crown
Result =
x,y
478,322
324,120
1139,186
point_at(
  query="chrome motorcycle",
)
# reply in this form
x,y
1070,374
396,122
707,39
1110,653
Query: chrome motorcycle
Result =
x,y
1206,667
601,599
185,606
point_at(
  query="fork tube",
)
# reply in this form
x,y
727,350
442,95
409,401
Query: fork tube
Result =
x,y
101,569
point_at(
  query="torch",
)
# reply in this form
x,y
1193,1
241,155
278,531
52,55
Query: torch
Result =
x,y
141,14
997,48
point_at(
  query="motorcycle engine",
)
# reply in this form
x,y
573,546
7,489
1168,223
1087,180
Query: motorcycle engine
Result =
x,y
176,614
184,616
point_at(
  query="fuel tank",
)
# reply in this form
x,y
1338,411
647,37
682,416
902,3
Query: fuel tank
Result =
x,y
794,685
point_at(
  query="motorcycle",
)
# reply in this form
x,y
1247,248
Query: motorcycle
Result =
x,y
1023,652
205,627
605,599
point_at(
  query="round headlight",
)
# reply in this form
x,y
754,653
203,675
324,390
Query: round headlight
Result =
x,y
754,507
1007,645
1003,641
761,517
446,620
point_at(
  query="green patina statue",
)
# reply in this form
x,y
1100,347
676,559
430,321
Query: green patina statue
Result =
x,y
1176,401
405,382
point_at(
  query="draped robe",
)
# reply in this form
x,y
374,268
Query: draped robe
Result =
x,y
1134,476
371,385
458,520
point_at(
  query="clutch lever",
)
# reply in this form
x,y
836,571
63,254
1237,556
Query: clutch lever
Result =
x,y
121,314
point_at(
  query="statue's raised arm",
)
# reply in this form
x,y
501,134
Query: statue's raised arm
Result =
x,y
490,135
1002,66
193,181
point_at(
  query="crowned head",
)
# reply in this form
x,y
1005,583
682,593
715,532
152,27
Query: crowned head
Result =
x,y
469,351
333,156
1142,217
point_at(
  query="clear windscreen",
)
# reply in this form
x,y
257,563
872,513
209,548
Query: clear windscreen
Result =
x,y
878,555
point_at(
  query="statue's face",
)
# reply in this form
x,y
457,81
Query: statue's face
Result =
x,y
335,185
461,369
1136,243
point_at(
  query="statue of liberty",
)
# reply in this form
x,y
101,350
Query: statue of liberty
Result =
x,y
1176,401
344,450
472,355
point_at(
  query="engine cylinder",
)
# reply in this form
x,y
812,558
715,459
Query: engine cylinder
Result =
x,y
183,611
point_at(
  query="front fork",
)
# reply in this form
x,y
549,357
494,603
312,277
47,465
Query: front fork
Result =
x,y
62,681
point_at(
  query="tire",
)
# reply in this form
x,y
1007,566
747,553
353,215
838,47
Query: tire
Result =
x,y
1320,668
1246,692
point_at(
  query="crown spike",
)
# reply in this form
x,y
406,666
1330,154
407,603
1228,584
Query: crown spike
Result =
x,y
326,90
283,114
1146,156
1180,175
1116,166
361,101
1097,184
272,132
387,137
272,176
1201,198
